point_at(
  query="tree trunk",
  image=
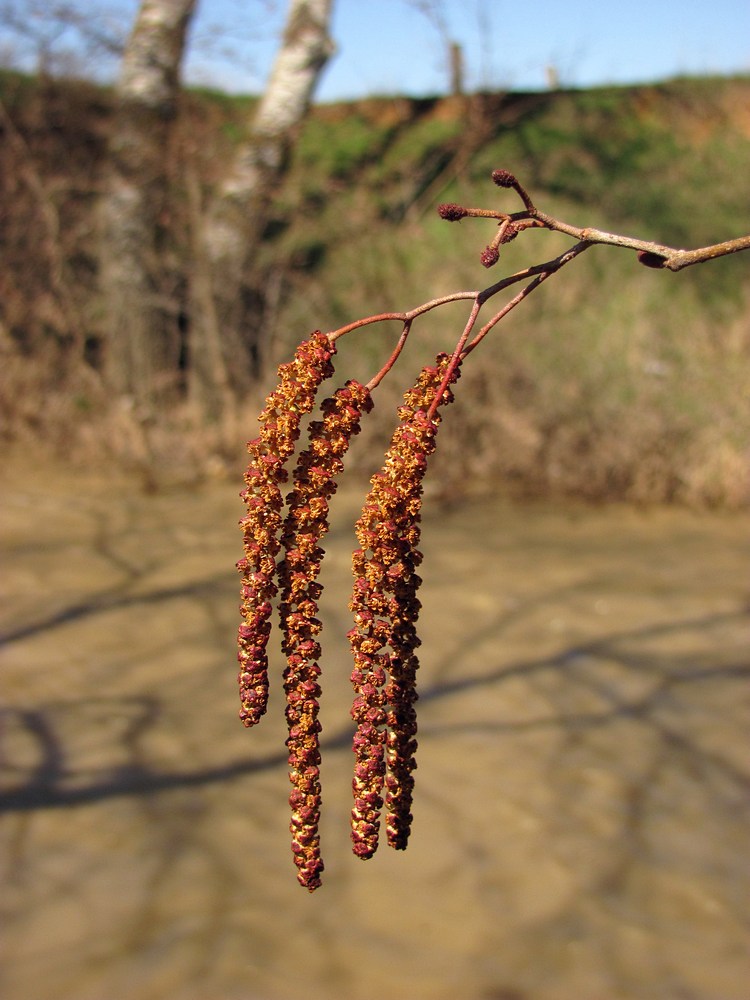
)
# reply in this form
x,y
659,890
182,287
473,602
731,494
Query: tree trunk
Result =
x,y
236,219
142,346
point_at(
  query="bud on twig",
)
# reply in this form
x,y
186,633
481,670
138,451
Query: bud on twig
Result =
x,y
504,178
452,212
489,256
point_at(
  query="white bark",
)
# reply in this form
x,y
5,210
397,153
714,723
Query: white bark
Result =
x,y
149,74
139,345
260,162
238,215
227,300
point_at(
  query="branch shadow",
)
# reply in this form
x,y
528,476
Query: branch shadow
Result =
x,y
41,773
114,600
52,783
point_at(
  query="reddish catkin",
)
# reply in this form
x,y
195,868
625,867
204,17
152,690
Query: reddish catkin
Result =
x,y
306,523
293,397
385,609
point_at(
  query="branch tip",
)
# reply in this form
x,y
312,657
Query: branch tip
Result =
x,y
504,178
489,256
452,212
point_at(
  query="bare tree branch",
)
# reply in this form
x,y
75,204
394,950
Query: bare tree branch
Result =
x,y
650,254
511,225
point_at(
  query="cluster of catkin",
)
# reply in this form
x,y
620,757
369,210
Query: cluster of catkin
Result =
x,y
282,556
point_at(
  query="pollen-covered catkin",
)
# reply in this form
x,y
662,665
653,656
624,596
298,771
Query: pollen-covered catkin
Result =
x,y
306,523
293,397
385,608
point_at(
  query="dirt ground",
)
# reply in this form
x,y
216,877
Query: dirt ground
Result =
x,y
581,809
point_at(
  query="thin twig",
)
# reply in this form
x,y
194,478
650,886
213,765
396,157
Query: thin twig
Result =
x,y
401,317
511,225
651,254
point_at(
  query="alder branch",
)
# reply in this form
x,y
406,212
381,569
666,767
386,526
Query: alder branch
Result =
x,y
384,600
511,225
650,254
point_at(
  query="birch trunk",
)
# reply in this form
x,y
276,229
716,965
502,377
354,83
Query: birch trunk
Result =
x,y
142,345
235,221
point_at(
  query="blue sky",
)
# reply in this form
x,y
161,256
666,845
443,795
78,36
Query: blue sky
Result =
x,y
386,47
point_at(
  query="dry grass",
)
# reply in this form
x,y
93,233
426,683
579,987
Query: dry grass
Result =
x,y
611,383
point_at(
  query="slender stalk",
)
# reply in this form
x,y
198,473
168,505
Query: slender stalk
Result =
x,y
552,267
402,317
377,379
455,360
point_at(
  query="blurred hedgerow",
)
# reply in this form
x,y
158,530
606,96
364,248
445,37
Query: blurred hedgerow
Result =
x,y
282,536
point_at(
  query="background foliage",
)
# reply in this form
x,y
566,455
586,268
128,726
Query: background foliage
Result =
x,y
615,382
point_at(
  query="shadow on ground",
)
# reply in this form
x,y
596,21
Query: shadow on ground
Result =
x,y
581,811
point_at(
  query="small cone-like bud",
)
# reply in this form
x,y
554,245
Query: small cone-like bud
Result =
x,y
489,256
509,233
452,212
504,178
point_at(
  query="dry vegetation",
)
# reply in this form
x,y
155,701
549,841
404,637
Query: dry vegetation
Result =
x,y
615,382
